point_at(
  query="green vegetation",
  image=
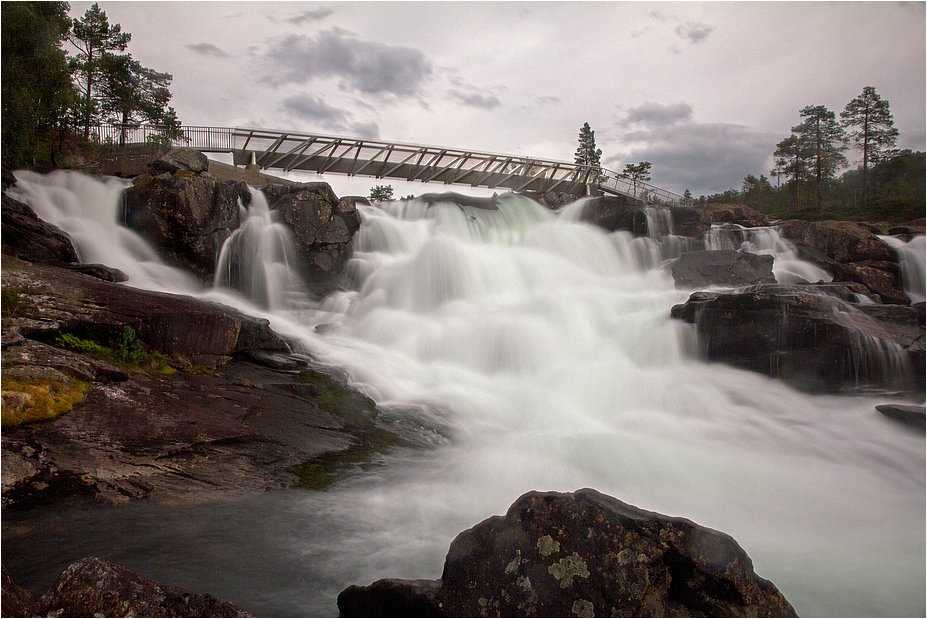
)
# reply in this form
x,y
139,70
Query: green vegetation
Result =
x,y
637,173
11,303
586,153
888,185
51,100
327,468
381,193
126,352
26,401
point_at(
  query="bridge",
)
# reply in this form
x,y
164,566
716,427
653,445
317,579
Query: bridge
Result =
x,y
323,154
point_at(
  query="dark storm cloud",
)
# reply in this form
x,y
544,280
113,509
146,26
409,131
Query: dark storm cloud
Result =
x,y
696,32
657,115
309,16
476,99
207,49
363,66
705,158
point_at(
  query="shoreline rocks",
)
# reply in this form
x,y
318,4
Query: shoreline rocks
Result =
x,y
581,554
92,587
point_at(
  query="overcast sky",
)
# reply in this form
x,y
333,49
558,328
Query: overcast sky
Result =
x,y
704,91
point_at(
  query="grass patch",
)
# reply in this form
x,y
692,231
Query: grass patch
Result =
x,y
126,352
39,400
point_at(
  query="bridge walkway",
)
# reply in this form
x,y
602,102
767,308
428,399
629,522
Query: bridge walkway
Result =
x,y
323,154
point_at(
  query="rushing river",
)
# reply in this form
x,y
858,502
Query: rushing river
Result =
x,y
525,351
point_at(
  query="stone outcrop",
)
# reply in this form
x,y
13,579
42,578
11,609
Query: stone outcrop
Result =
x,y
723,267
906,414
323,226
52,301
810,335
186,215
181,159
851,252
581,554
739,214
30,238
92,587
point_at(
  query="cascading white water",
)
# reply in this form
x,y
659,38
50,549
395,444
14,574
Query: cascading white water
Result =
x,y
531,352
911,258
259,259
787,267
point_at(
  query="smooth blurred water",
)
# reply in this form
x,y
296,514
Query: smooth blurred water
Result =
x,y
524,350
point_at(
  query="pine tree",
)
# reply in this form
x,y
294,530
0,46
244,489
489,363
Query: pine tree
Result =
x,y
874,132
793,157
586,153
94,38
637,173
131,94
827,141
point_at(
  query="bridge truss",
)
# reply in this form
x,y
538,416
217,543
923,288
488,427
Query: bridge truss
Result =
x,y
287,151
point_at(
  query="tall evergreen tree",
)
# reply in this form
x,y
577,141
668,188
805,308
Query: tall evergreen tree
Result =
x,y
586,153
94,38
793,158
874,132
131,94
827,141
36,84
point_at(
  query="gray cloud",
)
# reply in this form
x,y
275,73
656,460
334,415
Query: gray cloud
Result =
x,y
314,112
313,108
207,49
372,68
705,158
476,99
695,32
308,16
656,115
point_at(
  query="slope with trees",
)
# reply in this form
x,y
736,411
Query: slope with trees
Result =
x,y
51,99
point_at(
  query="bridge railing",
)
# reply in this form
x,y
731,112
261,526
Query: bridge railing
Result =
x,y
355,156
214,139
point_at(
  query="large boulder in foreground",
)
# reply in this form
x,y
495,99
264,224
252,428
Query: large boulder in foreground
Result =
x,y
581,554
722,267
810,335
95,588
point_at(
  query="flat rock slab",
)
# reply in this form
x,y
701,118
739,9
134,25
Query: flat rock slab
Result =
x,y
185,436
907,414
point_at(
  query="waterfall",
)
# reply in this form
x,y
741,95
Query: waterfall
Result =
x,y
259,259
787,266
911,256
521,349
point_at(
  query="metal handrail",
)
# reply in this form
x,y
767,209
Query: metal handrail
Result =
x,y
276,147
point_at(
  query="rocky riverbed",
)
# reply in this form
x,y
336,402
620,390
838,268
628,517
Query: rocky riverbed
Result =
x,y
158,397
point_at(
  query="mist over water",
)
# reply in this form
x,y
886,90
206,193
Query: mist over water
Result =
x,y
521,350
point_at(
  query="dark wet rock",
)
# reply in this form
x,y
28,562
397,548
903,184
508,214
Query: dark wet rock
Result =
x,y
186,215
582,554
809,336
617,213
841,241
92,587
551,199
323,227
100,271
16,602
906,414
65,301
723,267
739,214
181,159
29,238
391,597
